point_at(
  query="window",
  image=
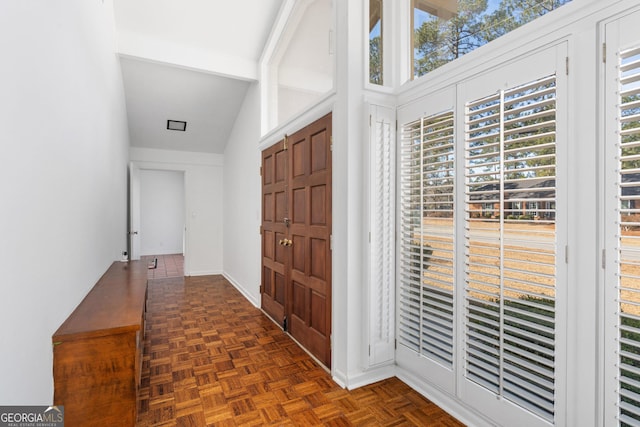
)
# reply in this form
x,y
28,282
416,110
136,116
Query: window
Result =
x,y
444,30
427,238
298,66
513,209
375,42
481,287
488,210
621,257
510,275
628,248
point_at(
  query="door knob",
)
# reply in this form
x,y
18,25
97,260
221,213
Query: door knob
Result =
x,y
285,242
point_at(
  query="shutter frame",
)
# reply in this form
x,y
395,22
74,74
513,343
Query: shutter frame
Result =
x,y
510,156
628,183
381,298
427,191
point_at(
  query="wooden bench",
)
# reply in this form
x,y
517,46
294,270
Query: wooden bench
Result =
x,y
97,351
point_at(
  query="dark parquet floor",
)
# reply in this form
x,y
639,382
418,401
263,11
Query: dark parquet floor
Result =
x,y
212,359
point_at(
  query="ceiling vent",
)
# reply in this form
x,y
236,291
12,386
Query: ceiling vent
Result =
x,y
176,125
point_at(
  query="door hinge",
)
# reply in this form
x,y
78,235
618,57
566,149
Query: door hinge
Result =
x,y
331,242
331,143
604,259
604,53
566,63
369,120
260,231
395,344
260,170
284,143
369,350
566,254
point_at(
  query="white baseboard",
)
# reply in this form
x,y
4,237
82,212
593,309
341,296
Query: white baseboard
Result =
x,y
370,376
339,377
203,273
241,289
445,401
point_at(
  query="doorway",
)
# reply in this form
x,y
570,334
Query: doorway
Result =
x,y
296,236
162,212
157,206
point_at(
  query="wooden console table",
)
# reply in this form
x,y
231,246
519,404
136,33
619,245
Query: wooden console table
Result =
x,y
97,352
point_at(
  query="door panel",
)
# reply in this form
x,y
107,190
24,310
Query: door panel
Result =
x,y
296,236
299,257
318,259
318,207
298,213
310,204
274,255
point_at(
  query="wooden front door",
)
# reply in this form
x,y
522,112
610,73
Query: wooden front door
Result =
x,y
274,231
300,238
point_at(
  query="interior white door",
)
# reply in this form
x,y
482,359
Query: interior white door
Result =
x,y
134,212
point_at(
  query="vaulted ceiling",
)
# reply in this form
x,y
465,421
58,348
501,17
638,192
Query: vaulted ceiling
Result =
x,y
189,60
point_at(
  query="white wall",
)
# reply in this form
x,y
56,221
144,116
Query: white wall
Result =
x,y
162,209
242,217
203,203
294,101
63,176
349,237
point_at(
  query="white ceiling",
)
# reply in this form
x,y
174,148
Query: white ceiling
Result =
x,y
189,60
156,93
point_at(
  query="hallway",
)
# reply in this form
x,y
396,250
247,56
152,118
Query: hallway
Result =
x,y
211,358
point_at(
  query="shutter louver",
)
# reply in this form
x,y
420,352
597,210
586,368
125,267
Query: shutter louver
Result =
x,y
381,338
628,241
427,238
510,242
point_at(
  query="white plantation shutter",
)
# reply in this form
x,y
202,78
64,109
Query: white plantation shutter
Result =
x,y
510,239
382,263
426,277
628,239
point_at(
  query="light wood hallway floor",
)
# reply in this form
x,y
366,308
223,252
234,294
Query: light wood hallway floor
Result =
x,y
212,359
